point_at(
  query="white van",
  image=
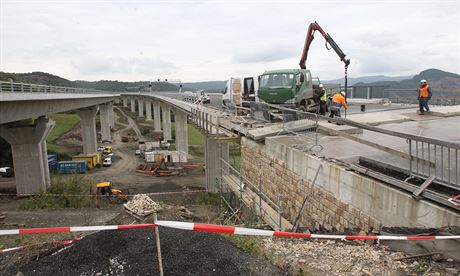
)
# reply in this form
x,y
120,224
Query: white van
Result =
x,y
107,162
240,91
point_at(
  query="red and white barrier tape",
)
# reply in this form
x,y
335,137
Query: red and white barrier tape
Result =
x,y
212,228
65,242
72,229
220,229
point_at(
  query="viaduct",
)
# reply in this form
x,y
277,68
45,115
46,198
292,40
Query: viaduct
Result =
x,y
291,172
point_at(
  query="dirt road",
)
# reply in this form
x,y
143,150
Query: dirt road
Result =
x,y
122,172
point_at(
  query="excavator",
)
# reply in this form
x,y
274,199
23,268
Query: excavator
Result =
x,y
294,88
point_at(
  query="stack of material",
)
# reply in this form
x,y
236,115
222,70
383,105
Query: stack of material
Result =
x,y
142,205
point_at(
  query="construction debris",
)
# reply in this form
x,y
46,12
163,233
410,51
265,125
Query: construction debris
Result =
x,y
142,205
186,213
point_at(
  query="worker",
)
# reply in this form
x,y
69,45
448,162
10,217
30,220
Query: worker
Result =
x,y
322,100
424,95
338,101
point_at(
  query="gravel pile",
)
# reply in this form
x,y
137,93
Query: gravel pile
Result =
x,y
142,205
133,252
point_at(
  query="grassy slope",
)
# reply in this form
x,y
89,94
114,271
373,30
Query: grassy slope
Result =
x,y
195,137
64,123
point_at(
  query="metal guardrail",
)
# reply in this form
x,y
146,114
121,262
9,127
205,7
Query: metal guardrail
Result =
x,y
427,156
14,87
432,159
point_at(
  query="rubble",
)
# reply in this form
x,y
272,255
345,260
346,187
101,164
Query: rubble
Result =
x,y
347,258
142,205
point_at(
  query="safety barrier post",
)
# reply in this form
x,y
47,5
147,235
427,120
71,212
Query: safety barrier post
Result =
x,y
157,238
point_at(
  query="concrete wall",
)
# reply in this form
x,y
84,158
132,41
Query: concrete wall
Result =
x,y
339,199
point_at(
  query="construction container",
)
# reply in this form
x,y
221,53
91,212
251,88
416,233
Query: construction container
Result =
x,y
99,158
52,162
158,156
68,167
90,159
183,157
149,156
175,157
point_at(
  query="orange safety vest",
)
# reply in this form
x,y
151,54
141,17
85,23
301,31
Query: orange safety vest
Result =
x,y
424,91
340,99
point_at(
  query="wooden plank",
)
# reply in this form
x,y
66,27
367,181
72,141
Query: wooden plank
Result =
x,y
419,191
250,199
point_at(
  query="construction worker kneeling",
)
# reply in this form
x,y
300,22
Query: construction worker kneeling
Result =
x,y
338,101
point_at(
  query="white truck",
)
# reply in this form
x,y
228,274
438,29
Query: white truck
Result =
x,y
240,91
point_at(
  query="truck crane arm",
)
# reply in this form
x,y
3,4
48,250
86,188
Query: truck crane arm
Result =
x,y
311,30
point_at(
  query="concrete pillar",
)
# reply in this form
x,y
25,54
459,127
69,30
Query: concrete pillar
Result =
x,y
180,119
156,116
125,102
31,170
214,152
133,104
104,113
45,162
368,96
166,114
140,106
88,128
148,110
111,115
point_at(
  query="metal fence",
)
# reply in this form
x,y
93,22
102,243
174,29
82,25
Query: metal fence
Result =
x,y
439,159
255,193
14,87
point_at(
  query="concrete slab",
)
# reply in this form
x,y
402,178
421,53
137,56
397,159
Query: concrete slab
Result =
x,y
325,127
378,118
445,111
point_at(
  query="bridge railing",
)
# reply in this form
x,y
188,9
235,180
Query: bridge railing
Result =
x,y
15,87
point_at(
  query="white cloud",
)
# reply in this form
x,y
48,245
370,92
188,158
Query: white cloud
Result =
x,y
205,40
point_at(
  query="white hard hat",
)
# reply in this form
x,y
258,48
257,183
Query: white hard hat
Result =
x,y
422,81
343,93
321,85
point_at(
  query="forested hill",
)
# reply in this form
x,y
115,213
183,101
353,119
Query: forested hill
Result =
x,y
107,85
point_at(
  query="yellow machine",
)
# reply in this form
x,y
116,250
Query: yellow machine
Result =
x,y
106,188
107,150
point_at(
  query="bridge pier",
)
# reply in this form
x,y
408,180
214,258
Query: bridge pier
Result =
x,y
180,118
88,128
166,113
104,111
148,110
30,160
125,102
213,153
133,104
140,106
111,115
156,116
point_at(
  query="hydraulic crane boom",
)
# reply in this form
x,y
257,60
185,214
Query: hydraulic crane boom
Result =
x,y
311,30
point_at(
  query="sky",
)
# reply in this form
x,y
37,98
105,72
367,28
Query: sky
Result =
x,y
215,40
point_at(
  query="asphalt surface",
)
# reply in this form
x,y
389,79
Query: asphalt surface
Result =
x,y
133,252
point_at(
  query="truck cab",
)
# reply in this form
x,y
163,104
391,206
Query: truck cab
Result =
x,y
293,88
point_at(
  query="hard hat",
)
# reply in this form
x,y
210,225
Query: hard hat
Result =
x,y
321,85
343,93
423,81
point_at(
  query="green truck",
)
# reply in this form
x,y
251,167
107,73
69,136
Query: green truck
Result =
x,y
293,88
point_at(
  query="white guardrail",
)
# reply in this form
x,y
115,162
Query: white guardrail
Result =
x,y
14,87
